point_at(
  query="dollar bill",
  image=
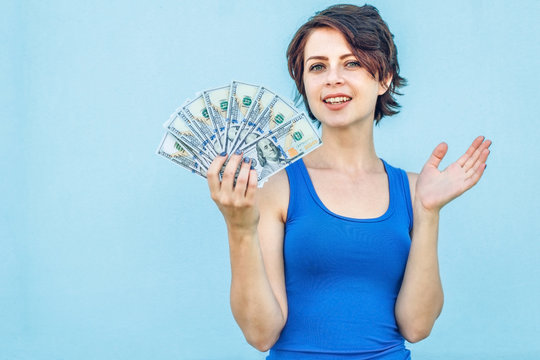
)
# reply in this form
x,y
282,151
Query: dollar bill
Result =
x,y
268,130
175,150
276,113
260,102
241,97
185,131
281,146
198,115
217,103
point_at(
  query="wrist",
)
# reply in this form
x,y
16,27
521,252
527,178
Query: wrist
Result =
x,y
422,212
241,232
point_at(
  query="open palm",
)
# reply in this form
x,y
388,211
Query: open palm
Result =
x,y
436,188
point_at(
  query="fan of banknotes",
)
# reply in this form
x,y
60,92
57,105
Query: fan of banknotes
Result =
x,y
236,118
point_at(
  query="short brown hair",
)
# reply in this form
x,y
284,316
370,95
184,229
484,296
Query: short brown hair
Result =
x,y
371,42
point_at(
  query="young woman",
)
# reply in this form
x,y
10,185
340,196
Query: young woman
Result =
x,y
336,257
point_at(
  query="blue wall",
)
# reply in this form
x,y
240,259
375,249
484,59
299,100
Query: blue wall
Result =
x,y
108,251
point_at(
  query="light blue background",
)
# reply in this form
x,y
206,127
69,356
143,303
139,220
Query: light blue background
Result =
x,y
108,251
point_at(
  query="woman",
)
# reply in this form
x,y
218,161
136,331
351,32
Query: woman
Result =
x,y
336,257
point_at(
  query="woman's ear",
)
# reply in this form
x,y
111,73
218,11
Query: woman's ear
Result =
x,y
385,84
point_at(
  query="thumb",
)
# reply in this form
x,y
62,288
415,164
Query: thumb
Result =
x,y
437,155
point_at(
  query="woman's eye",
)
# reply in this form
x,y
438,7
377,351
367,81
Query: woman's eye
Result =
x,y
316,67
353,64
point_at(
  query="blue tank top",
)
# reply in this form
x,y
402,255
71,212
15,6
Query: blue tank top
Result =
x,y
343,275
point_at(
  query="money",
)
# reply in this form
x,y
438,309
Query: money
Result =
x,y
184,130
251,119
217,103
173,149
281,146
261,101
240,100
275,113
197,113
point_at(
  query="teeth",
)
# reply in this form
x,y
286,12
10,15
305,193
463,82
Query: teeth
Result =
x,y
337,100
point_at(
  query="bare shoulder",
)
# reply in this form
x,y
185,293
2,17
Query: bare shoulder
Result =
x,y
412,182
274,195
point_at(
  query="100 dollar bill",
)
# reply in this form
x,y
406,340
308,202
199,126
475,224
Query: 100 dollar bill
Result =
x,y
262,99
277,112
241,98
217,103
175,150
185,130
197,113
238,117
285,144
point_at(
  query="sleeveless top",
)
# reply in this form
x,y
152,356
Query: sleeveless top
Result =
x,y
343,275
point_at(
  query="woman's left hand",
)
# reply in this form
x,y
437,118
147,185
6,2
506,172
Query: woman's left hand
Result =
x,y
435,188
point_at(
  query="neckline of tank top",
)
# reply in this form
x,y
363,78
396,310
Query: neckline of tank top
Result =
x,y
389,211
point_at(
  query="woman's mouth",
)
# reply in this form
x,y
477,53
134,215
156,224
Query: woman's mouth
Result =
x,y
337,99
336,102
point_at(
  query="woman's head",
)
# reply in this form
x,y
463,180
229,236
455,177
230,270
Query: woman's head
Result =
x,y
370,41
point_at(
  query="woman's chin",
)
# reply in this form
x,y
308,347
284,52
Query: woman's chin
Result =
x,y
345,122
339,125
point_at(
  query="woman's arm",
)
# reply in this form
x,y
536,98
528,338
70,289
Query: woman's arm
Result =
x,y
420,298
258,298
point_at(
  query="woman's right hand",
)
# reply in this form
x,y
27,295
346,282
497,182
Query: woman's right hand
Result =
x,y
236,201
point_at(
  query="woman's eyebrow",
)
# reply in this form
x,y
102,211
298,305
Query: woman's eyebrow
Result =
x,y
320,57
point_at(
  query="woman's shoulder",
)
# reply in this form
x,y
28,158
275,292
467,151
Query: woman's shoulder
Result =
x,y
274,195
412,176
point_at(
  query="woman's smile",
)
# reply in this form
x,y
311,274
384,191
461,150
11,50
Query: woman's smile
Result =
x,y
336,102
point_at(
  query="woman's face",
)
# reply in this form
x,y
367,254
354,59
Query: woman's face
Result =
x,y
339,91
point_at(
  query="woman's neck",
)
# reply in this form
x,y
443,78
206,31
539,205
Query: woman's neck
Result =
x,y
349,149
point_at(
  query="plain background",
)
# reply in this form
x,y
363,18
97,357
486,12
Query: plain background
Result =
x,y
108,251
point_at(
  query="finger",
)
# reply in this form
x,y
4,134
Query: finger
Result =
x,y
229,173
470,182
470,151
251,190
243,176
474,174
212,174
437,155
476,155
483,156
469,173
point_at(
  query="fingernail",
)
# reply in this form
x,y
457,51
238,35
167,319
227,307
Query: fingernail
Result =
x,y
223,154
252,166
238,152
246,159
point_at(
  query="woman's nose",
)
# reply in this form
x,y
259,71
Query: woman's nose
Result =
x,y
334,76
